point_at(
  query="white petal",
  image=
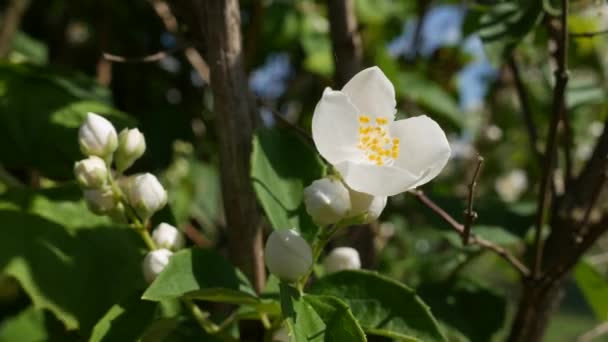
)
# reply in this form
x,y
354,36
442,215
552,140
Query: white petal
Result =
x,y
423,150
376,180
372,93
335,127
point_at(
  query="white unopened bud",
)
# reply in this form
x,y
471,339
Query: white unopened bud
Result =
x,y
327,201
342,258
155,262
366,203
97,136
91,172
100,201
131,146
145,194
167,236
287,255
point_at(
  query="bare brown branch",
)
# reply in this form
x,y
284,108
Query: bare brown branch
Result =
x,y
10,23
345,39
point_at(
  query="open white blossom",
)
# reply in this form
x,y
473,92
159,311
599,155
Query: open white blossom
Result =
x,y
354,129
365,203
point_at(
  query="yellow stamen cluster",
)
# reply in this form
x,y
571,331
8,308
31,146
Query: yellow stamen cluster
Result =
x,y
375,141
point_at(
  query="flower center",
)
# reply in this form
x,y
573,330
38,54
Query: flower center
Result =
x,y
375,142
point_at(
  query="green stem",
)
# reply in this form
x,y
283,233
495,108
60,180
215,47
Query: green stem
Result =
x,y
145,235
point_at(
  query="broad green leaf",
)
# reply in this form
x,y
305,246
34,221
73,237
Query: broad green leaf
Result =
x,y
28,325
381,305
43,134
201,274
463,305
125,321
26,48
282,165
314,37
61,254
594,287
318,318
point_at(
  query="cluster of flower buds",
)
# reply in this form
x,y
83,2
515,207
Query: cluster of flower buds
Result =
x,y
329,201
168,239
100,142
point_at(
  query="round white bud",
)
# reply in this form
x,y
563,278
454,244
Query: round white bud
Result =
x,y
167,236
366,203
287,255
327,201
131,146
97,136
145,194
91,172
100,201
342,258
155,262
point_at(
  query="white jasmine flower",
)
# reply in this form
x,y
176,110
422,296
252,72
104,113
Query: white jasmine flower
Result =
x,y
364,203
155,262
131,146
354,129
327,201
167,236
97,136
91,172
342,258
287,255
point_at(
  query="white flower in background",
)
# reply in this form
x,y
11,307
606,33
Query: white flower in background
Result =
x,y
167,236
327,201
342,258
91,172
354,130
145,194
596,128
287,255
364,203
493,133
97,136
100,201
155,262
131,146
511,185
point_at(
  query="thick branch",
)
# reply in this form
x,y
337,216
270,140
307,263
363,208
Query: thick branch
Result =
x,y
10,23
345,40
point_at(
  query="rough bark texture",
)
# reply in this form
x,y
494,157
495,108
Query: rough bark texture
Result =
x,y
345,40
219,24
10,23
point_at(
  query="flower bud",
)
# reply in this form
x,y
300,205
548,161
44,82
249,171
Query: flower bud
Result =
x,y
366,203
327,201
287,255
100,201
97,136
91,172
145,194
167,236
131,146
155,262
342,258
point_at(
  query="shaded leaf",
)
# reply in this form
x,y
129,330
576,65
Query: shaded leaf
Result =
x,y
125,321
594,287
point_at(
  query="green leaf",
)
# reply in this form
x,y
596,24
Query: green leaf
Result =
x,y
24,47
43,134
381,305
125,321
62,254
318,318
282,165
28,325
463,304
502,26
594,287
201,274
314,38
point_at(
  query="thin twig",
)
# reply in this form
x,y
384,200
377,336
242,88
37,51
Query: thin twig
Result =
x,y
155,57
469,215
474,240
526,110
588,34
594,333
278,116
558,108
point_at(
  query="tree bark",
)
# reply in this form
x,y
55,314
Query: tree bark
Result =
x,y
220,24
10,24
345,40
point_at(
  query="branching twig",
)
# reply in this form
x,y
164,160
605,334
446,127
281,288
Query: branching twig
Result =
x,y
469,215
558,108
473,239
